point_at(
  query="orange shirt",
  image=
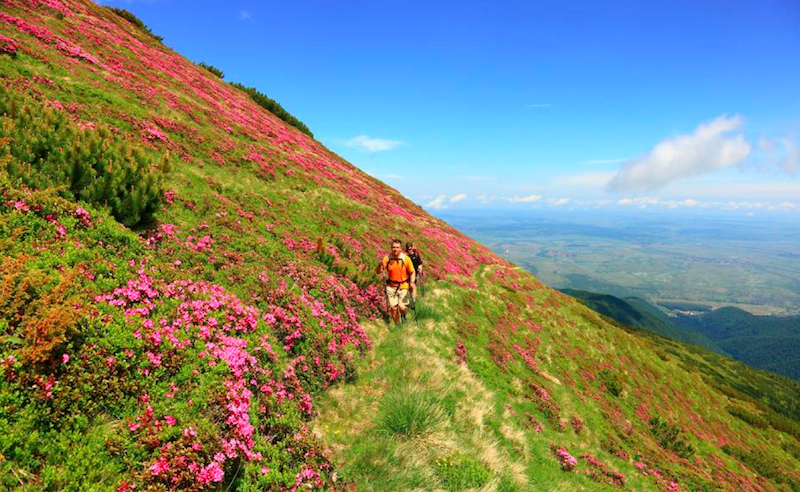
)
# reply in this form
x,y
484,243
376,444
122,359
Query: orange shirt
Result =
x,y
399,271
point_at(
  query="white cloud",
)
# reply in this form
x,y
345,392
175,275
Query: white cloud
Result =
x,y
540,105
525,199
245,15
708,149
689,202
641,202
368,144
557,202
593,179
458,198
437,203
783,153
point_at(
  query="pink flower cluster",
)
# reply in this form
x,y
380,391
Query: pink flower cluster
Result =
x,y
666,483
600,472
20,205
461,353
171,232
194,321
82,215
153,134
8,45
567,461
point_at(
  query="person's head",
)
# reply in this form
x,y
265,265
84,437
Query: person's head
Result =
x,y
409,247
397,247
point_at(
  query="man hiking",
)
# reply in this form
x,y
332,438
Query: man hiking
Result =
x,y
401,277
416,259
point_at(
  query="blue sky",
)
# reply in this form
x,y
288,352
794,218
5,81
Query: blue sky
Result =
x,y
522,104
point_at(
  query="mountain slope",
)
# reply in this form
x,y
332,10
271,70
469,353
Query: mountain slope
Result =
x,y
638,313
767,342
188,295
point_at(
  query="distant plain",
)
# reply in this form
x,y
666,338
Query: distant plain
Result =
x,y
677,261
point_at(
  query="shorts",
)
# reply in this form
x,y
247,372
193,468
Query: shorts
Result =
x,y
397,297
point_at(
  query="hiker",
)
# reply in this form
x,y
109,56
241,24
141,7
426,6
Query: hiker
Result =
x,y
416,259
401,277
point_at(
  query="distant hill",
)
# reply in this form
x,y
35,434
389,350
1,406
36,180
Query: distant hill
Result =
x,y
638,313
766,342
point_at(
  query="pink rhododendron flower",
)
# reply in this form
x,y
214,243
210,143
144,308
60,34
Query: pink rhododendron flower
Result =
x,y
211,473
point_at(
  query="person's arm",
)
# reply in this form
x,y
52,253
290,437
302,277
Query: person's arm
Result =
x,y
381,266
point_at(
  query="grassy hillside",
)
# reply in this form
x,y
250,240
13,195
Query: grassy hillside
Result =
x,y
188,302
638,313
767,342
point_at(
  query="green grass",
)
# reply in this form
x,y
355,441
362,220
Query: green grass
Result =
x,y
408,413
459,472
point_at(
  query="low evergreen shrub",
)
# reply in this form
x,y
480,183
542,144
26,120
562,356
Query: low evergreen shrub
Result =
x,y
748,417
130,17
671,437
211,68
610,382
44,149
273,107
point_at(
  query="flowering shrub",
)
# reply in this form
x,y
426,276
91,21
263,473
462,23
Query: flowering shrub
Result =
x,y
176,322
546,405
577,424
461,353
567,461
600,472
8,46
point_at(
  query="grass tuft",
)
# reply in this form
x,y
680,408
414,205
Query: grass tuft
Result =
x,y
409,413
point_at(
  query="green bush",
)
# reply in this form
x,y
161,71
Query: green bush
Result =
x,y
610,382
751,418
409,413
128,16
792,447
671,437
211,68
460,472
42,148
273,107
